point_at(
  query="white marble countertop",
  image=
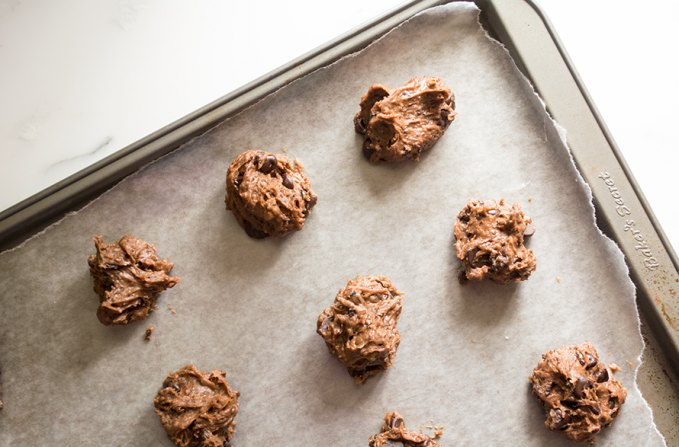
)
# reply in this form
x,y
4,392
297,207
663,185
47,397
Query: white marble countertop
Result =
x,y
81,79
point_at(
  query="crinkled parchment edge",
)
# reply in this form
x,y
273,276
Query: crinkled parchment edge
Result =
x,y
551,126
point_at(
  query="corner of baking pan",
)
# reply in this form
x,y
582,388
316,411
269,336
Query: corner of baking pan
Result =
x,y
622,211
607,133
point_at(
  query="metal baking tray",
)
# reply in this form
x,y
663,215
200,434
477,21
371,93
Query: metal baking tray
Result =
x,y
622,211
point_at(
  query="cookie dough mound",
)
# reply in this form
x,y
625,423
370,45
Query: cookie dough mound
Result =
x,y
197,408
578,392
360,326
395,433
128,277
489,242
269,195
403,123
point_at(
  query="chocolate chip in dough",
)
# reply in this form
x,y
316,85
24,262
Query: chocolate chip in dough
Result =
x,y
268,165
287,182
529,231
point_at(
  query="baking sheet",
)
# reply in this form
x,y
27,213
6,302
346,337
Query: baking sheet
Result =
x,y
249,307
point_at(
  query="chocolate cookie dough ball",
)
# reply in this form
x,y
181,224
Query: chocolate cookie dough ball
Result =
x,y
269,195
196,408
128,277
360,326
578,392
403,123
394,433
489,242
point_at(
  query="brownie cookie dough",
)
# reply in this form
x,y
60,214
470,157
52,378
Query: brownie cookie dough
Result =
x,y
196,408
360,326
403,123
269,195
578,392
128,277
394,433
489,242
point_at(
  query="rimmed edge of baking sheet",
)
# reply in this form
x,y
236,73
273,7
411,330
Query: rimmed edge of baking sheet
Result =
x,y
163,144
595,154
655,287
44,208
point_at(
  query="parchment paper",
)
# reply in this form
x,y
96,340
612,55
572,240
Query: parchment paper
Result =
x,y
249,307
